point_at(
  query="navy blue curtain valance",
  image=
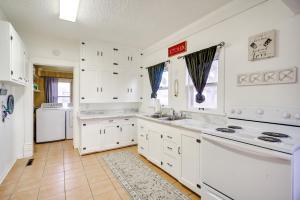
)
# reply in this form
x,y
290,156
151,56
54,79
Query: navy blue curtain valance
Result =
x,y
155,75
198,65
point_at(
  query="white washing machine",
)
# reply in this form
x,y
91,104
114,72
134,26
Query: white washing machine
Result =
x,y
53,122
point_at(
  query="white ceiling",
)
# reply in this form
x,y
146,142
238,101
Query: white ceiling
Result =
x,y
138,23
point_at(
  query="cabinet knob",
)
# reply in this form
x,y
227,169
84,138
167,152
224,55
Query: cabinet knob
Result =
x,y
82,59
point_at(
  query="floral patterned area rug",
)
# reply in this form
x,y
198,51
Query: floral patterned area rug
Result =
x,y
140,181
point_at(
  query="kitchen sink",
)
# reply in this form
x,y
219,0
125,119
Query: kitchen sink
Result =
x,y
158,116
173,118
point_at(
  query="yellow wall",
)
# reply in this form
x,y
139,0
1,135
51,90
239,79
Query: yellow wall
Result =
x,y
39,78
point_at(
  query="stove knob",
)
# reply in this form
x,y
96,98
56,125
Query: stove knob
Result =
x,y
260,112
239,112
232,111
286,115
297,116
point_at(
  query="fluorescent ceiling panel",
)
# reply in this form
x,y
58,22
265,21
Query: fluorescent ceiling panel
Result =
x,y
68,10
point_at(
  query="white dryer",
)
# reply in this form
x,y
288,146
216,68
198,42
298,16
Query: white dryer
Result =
x,y
50,123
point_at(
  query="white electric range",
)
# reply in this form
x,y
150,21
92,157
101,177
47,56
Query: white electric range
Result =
x,y
255,156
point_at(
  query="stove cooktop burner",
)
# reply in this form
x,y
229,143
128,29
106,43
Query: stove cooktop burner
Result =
x,y
273,134
234,127
225,130
269,139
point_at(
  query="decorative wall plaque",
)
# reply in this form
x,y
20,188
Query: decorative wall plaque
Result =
x,y
261,46
283,76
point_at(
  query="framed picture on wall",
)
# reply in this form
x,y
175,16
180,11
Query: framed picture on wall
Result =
x,y
261,46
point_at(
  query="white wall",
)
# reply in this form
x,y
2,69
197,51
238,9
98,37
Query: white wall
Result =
x,y
234,29
7,139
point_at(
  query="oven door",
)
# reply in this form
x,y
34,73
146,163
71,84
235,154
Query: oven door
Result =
x,y
245,172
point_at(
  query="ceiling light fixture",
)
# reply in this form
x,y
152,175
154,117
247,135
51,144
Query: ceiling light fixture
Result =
x,y
68,10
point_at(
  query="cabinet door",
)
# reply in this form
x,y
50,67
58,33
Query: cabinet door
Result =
x,y
89,88
128,133
91,55
109,86
155,146
90,136
190,162
132,86
16,56
110,136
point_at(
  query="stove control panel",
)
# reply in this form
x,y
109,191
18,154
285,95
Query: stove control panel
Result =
x,y
289,116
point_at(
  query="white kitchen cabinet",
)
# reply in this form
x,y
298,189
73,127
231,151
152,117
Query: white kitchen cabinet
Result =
x,y
92,55
133,87
110,74
89,86
111,136
155,146
99,135
175,150
142,138
172,153
12,55
90,136
128,133
190,162
110,86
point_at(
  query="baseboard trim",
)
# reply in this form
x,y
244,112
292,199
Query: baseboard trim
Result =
x,y
28,150
6,171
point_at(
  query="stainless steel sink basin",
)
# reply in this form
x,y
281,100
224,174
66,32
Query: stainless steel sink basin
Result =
x,y
157,116
173,118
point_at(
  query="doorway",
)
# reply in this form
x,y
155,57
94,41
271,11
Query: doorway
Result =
x,y
53,106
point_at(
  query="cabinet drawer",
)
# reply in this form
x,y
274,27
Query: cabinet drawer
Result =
x,y
171,165
171,148
172,136
142,137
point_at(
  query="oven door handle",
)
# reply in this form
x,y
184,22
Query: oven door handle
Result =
x,y
248,148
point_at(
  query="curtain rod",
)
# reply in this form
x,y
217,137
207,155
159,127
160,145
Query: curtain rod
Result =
x,y
221,44
167,61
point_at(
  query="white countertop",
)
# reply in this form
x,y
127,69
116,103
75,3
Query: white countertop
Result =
x,y
105,115
190,124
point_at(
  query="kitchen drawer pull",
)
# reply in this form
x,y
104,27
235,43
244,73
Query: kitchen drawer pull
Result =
x,y
169,137
170,164
115,73
115,97
115,63
170,148
179,151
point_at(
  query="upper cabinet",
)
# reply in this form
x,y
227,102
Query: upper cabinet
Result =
x,y
13,56
109,74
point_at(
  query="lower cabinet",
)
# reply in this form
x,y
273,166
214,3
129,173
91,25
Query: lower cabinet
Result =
x,y
98,135
155,146
190,162
175,150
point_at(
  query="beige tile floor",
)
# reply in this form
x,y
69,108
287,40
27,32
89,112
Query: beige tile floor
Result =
x,y
59,172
